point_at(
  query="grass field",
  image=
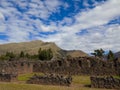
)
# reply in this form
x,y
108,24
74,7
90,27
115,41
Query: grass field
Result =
x,y
25,77
79,83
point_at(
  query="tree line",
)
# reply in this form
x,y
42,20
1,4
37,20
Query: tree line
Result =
x,y
45,54
101,54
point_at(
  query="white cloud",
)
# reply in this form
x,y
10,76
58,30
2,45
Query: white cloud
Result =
x,y
100,15
52,5
1,16
106,37
19,24
93,20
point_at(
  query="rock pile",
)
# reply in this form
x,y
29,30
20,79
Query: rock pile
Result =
x,y
105,82
51,79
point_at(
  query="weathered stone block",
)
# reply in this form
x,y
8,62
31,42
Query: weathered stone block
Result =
x,y
50,79
105,82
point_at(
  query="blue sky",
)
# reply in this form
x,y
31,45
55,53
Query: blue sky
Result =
x,y
72,24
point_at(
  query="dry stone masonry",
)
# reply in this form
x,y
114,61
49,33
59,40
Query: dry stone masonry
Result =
x,y
71,66
79,66
51,79
8,77
105,82
16,67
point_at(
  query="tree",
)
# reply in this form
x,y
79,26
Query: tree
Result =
x,y
3,57
49,54
110,55
45,54
27,55
10,55
94,54
22,54
98,53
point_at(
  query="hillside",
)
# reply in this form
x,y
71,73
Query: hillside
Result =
x,y
117,54
33,47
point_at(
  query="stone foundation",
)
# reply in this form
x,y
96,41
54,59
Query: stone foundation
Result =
x,y
50,80
105,82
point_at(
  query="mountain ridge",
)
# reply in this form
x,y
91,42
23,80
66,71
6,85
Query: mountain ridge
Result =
x,y
32,47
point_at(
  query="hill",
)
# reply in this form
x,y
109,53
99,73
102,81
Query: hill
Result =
x,y
33,47
117,54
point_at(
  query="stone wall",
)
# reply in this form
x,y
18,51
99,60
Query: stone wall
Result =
x,y
16,67
50,79
105,82
8,77
82,65
73,66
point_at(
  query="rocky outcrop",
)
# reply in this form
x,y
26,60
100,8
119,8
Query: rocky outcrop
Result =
x,y
51,79
105,82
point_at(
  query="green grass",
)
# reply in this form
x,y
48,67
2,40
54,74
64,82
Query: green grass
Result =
x,y
81,80
25,77
118,77
12,86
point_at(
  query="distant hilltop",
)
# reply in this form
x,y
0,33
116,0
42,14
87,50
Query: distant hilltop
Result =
x,y
32,47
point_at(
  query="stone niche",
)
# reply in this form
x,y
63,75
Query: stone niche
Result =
x,y
8,77
105,82
50,79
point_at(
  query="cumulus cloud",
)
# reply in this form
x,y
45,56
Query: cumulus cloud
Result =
x,y
100,15
17,18
94,21
87,30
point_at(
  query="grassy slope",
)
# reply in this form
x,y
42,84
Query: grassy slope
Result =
x,y
78,83
33,47
29,47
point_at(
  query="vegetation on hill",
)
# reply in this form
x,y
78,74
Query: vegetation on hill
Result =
x,y
30,50
45,54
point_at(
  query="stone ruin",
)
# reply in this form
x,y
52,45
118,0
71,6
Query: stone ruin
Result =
x,y
71,66
105,82
8,77
79,66
16,67
9,70
51,79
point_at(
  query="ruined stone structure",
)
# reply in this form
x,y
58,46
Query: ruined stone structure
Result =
x,y
79,66
16,67
82,65
51,79
105,82
8,77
